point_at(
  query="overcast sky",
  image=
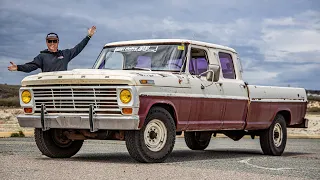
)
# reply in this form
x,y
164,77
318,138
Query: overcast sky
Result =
x,y
278,41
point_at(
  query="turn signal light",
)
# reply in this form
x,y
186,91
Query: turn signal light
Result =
x,y
27,110
127,110
145,81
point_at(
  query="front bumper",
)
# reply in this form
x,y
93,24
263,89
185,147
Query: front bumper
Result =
x,y
80,122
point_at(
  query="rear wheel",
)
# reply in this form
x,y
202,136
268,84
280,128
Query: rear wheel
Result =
x,y
197,140
273,140
155,140
53,143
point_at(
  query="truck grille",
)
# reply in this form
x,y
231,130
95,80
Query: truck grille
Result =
x,y
76,99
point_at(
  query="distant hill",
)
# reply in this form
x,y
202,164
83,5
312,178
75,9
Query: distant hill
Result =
x,y
313,92
9,95
7,91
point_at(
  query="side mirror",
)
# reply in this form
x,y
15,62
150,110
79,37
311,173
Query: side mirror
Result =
x,y
213,73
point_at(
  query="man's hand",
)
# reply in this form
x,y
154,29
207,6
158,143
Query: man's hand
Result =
x,y
91,31
13,67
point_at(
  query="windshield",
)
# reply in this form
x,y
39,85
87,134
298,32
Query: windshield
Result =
x,y
142,57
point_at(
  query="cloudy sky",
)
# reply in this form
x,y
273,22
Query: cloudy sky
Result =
x,y
278,41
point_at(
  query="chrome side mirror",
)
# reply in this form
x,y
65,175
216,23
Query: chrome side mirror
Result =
x,y
213,72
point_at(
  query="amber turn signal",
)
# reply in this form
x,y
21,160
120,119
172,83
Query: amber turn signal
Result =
x,y
27,110
127,110
144,81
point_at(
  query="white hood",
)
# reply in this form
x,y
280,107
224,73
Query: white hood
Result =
x,y
104,76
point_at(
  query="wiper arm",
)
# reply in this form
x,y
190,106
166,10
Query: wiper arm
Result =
x,y
137,68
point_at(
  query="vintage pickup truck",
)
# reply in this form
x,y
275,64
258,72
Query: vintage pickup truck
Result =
x,y
145,92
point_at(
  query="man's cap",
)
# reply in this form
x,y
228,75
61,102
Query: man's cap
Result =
x,y
52,36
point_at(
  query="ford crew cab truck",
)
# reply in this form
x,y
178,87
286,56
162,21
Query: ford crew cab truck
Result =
x,y
145,92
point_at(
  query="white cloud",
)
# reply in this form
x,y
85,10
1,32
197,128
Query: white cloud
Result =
x,y
284,36
271,40
260,77
279,21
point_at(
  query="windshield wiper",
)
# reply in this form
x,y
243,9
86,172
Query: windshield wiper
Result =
x,y
137,68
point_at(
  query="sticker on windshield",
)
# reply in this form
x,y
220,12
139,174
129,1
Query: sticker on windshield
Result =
x,y
181,48
137,49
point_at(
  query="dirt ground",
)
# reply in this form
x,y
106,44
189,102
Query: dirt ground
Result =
x,y
8,120
9,123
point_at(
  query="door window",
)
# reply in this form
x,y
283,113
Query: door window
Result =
x,y
198,62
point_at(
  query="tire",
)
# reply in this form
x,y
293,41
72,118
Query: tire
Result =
x,y
273,140
155,140
197,140
52,143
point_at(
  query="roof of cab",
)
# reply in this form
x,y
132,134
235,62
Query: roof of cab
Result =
x,y
153,41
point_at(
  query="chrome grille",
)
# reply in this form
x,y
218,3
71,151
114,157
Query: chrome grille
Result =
x,y
76,99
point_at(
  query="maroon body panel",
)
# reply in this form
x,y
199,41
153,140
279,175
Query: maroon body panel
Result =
x,y
193,113
261,114
206,114
190,113
180,105
235,114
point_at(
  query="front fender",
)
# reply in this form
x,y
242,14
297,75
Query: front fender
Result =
x,y
146,102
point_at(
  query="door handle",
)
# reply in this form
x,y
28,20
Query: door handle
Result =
x,y
242,85
219,83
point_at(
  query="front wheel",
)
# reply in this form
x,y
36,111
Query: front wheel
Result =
x,y
53,143
155,140
273,140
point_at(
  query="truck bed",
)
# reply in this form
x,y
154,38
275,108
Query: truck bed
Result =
x,y
266,101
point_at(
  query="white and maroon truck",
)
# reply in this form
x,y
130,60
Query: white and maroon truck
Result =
x,y
146,92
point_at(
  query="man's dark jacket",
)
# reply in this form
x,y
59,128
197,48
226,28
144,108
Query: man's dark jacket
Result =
x,y
54,61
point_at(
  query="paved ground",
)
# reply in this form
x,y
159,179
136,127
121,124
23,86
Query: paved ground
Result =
x,y
224,159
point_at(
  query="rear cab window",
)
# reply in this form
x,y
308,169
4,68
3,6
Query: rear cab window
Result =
x,y
227,65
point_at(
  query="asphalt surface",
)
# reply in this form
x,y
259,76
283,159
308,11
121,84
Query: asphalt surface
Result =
x,y
223,159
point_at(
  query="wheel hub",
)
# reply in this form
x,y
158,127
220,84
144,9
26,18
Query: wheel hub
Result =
x,y
155,135
277,135
60,139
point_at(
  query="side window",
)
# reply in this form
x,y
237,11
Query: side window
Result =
x,y
199,62
227,65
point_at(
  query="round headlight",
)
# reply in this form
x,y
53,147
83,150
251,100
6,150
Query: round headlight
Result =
x,y
125,96
26,96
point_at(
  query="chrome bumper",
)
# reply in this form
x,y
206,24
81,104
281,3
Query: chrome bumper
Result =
x,y
80,122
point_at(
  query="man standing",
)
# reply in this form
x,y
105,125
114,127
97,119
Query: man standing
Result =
x,y
52,59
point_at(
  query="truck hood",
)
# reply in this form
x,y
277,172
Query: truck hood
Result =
x,y
104,76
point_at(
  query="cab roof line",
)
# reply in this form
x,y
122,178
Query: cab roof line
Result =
x,y
168,41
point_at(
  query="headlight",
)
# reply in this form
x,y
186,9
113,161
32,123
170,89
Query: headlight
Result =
x,y
125,96
26,96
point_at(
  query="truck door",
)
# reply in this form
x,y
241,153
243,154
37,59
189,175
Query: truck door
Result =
x,y
234,91
207,105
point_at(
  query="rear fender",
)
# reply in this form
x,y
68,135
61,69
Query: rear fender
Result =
x,y
283,112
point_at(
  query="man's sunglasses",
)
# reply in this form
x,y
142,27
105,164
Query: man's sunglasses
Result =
x,y
52,41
